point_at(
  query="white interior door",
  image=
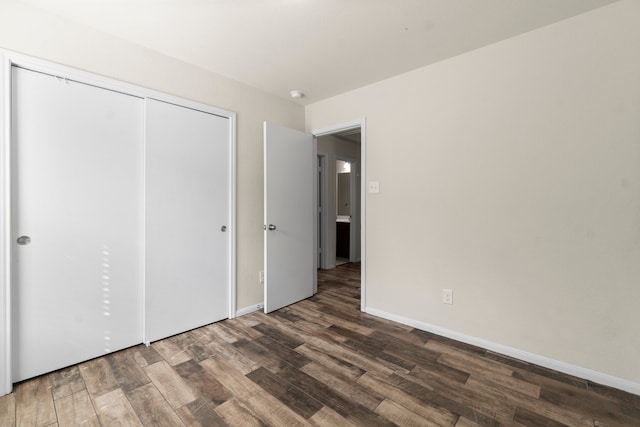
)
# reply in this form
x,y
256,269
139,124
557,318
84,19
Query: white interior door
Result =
x,y
77,212
289,179
187,219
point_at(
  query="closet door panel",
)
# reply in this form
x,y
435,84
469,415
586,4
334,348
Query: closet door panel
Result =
x,y
187,210
77,196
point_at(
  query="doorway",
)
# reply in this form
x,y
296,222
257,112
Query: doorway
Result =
x,y
341,202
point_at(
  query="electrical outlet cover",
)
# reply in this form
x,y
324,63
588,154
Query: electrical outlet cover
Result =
x,y
447,296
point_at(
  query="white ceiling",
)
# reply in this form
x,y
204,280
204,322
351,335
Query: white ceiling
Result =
x,y
321,47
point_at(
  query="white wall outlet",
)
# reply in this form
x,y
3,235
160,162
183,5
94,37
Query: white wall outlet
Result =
x,y
447,296
261,276
374,187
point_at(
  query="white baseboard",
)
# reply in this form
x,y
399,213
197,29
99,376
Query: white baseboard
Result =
x,y
577,371
250,309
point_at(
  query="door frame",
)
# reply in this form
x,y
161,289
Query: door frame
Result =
x,y
5,226
8,59
340,127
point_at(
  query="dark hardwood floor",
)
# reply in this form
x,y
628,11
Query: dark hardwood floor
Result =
x,y
318,362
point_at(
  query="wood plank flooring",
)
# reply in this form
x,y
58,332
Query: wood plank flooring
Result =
x,y
319,362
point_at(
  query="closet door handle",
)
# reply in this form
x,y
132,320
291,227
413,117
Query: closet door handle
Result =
x,y
272,227
223,228
24,240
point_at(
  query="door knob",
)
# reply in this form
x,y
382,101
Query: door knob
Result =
x,y
272,227
223,228
24,240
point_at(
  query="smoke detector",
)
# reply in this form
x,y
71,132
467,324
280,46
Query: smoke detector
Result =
x,y
296,94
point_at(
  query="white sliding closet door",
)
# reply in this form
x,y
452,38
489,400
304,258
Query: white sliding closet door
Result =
x,y
76,220
187,215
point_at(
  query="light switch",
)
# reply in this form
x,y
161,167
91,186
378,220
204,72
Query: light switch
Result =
x,y
374,187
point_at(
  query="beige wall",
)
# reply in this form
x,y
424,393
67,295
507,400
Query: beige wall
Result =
x,y
517,167
30,31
